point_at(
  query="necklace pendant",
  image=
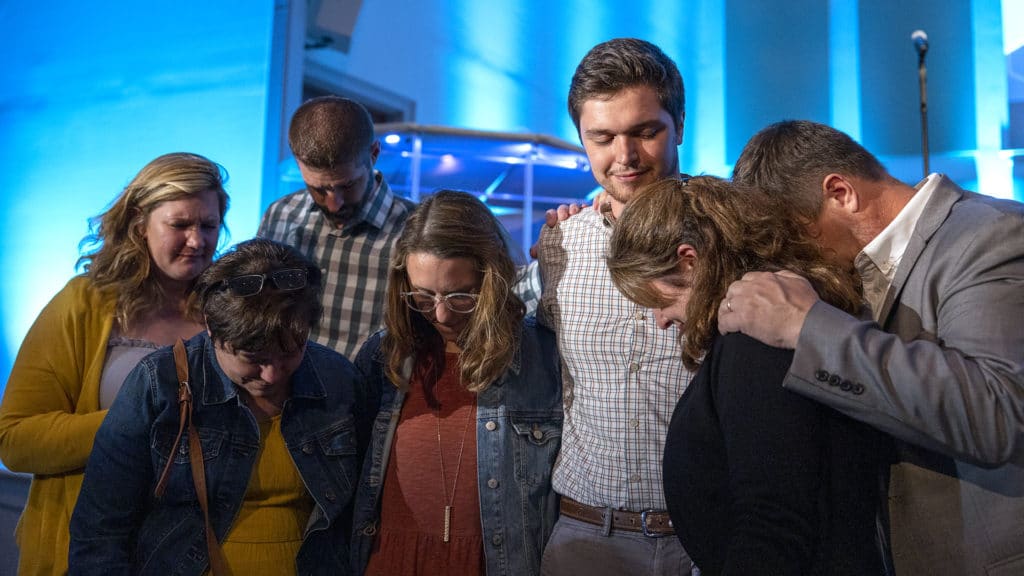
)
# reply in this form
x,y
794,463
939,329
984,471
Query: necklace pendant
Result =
x,y
447,523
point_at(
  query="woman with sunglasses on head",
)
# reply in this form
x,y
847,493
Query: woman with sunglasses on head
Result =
x,y
458,476
758,480
142,258
277,423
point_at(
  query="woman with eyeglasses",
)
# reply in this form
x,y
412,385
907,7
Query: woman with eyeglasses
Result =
x,y
458,476
279,430
143,256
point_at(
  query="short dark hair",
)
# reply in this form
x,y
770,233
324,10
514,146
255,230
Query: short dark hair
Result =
x,y
789,160
330,131
271,321
621,63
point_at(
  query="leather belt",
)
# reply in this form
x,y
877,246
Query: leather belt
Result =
x,y
652,523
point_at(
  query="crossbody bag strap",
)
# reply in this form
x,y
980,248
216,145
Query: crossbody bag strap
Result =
x,y
184,412
218,565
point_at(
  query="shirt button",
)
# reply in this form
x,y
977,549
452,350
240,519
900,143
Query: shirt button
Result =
x,y
821,375
537,434
491,425
634,478
634,366
640,316
834,380
330,496
307,449
634,423
496,539
492,483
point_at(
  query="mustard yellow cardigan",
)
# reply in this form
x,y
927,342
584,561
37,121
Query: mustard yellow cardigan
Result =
x,y
50,414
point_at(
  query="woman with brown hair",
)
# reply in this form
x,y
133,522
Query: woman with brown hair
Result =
x,y
145,253
758,480
457,479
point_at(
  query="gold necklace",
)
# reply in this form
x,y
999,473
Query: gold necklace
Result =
x,y
449,500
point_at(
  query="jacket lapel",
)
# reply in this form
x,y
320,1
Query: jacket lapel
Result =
x,y
945,195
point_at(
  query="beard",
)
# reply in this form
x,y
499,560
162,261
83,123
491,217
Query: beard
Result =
x,y
341,216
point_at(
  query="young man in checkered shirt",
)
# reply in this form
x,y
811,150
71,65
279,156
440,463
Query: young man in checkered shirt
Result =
x,y
622,375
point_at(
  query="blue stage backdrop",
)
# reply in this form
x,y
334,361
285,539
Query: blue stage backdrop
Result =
x,y
91,91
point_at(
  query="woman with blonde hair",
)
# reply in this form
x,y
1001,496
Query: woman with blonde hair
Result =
x,y
142,258
457,479
758,480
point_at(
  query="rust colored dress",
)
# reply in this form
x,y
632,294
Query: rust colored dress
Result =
x,y
413,501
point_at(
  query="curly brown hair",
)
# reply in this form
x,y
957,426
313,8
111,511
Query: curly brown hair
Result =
x,y
734,230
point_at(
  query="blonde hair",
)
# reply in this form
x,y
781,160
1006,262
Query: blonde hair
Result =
x,y
734,230
116,257
450,224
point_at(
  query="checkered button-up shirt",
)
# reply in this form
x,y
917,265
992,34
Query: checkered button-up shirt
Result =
x,y
354,259
622,375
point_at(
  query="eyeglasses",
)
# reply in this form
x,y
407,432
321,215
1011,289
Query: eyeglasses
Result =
x,y
284,280
459,302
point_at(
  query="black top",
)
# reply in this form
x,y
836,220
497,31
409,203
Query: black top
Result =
x,y
761,481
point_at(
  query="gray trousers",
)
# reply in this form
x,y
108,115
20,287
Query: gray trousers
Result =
x,y
578,548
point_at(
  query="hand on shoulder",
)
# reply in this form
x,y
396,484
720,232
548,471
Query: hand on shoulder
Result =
x,y
768,306
555,215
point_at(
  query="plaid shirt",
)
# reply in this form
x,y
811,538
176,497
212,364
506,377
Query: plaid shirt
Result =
x,y
622,375
354,259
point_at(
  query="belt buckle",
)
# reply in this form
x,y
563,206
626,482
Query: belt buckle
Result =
x,y
643,524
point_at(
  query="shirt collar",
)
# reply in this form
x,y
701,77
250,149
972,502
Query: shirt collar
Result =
x,y
886,250
376,206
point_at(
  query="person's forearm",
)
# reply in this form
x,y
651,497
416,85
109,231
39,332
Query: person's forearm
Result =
x,y
934,392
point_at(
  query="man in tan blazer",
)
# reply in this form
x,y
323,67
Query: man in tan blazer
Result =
x,y
940,366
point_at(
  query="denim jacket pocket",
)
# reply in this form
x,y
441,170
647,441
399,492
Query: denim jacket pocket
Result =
x,y
537,439
180,486
339,441
337,444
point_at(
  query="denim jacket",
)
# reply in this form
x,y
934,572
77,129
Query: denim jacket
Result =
x,y
118,527
518,430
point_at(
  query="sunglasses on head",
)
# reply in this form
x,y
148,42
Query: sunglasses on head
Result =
x,y
283,280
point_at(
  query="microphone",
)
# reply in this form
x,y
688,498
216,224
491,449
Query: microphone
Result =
x,y
920,40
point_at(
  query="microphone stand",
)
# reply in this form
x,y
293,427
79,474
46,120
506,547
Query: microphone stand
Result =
x,y
922,77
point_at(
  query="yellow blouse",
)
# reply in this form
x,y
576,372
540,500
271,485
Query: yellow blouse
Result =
x,y
266,536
